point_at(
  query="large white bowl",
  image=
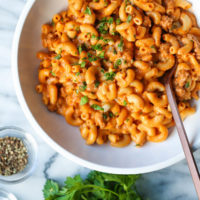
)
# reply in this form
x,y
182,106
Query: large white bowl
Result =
x,y
66,139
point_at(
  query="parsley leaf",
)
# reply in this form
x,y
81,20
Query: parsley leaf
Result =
x,y
51,188
53,74
110,76
97,107
102,26
97,47
52,23
84,100
83,64
105,116
101,55
118,21
153,47
121,45
58,57
110,20
117,63
80,49
88,11
83,87
187,85
97,83
77,73
111,114
129,18
124,103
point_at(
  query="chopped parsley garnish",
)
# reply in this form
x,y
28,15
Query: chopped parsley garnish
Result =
x,y
129,18
124,103
111,114
101,55
88,11
77,73
105,116
84,100
91,59
118,21
83,87
153,47
58,57
93,36
102,70
52,23
97,47
97,83
114,51
187,85
105,3
83,64
110,20
121,45
102,26
117,63
137,145
127,120
97,107
80,49
53,74
110,76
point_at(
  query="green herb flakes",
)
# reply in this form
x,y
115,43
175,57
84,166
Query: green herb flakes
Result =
x,y
97,47
101,55
83,64
97,107
187,85
83,87
105,116
84,100
118,21
78,73
129,18
88,11
124,103
52,73
117,63
121,45
58,57
110,76
97,83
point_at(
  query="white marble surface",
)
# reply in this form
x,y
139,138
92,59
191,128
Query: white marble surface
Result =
x,y
173,183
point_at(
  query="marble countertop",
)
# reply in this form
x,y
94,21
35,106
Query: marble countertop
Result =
x,y
172,183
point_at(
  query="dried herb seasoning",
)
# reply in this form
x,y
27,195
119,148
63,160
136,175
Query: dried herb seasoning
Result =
x,y
13,156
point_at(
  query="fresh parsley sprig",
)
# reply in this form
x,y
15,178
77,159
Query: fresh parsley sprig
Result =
x,y
97,186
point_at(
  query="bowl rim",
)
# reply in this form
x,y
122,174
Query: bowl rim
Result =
x,y
41,132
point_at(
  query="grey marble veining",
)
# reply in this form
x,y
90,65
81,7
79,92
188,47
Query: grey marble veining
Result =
x,y
173,183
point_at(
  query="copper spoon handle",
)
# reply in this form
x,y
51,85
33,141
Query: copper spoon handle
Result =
x,y
183,137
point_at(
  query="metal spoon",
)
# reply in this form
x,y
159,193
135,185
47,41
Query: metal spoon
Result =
x,y
181,130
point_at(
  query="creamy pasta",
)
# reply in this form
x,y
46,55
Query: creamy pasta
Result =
x,y
104,65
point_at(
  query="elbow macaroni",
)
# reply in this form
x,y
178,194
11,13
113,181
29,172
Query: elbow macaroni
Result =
x,y
103,65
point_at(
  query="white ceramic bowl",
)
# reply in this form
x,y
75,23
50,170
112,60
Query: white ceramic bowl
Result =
x,y
66,139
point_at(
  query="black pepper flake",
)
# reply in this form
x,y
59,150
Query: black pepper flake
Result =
x,y
13,156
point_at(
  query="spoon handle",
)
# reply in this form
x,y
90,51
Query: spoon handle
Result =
x,y
183,137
